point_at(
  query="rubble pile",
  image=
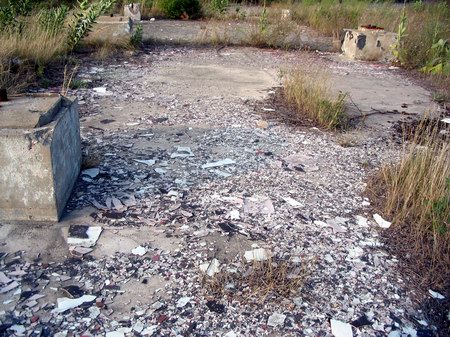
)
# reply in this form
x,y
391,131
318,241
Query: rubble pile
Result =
x,y
234,192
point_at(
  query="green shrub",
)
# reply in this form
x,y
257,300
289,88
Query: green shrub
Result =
x,y
176,9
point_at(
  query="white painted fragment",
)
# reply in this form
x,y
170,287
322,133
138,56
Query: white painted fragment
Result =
x,y
436,295
230,334
294,203
92,172
115,334
148,162
223,162
341,329
381,222
93,234
361,221
446,120
210,268
141,251
65,303
183,301
258,254
234,215
149,330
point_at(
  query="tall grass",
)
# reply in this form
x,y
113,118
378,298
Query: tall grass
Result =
x,y
312,99
416,194
33,44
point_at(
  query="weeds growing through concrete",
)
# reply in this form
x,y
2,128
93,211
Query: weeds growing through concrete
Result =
x,y
258,281
312,99
415,194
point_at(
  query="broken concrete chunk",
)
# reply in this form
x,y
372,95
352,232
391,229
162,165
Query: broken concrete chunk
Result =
x,y
65,303
381,222
84,236
224,162
258,254
341,329
4,279
276,320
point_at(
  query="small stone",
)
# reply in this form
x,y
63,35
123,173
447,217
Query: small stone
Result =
x,y
276,320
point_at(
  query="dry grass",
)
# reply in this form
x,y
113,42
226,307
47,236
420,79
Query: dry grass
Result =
x,y
258,281
416,196
312,99
34,44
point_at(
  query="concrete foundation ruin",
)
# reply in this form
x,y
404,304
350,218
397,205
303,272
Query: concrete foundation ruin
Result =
x,y
40,156
369,43
133,11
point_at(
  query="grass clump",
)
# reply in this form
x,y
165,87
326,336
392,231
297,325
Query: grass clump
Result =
x,y
416,196
258,281
312,98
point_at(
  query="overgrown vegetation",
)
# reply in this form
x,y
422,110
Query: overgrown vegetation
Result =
x,y
32,36
415,194
312,99
181,9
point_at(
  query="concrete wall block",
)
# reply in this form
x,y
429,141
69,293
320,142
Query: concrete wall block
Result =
x,y
133,11
38,166
368,44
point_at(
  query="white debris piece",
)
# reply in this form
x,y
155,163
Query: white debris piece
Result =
x,y
92,172
446,120
18,329
258,254
149,331
4,279
361,221
341,329
115,334
9,287
93,234
141,251
94,312
276,320
65,303
381,222
224,162
182,152
234,215
102,91
294,203
354,253
183,301
436,295
148,162
210,268
395,333
255,205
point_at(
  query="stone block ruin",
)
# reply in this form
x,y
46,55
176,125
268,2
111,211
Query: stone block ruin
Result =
x,y
369,43
40,156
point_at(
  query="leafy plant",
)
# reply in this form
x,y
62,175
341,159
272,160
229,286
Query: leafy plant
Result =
x,y
440,60
136,38
219,6
85,18
175,9
401,33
